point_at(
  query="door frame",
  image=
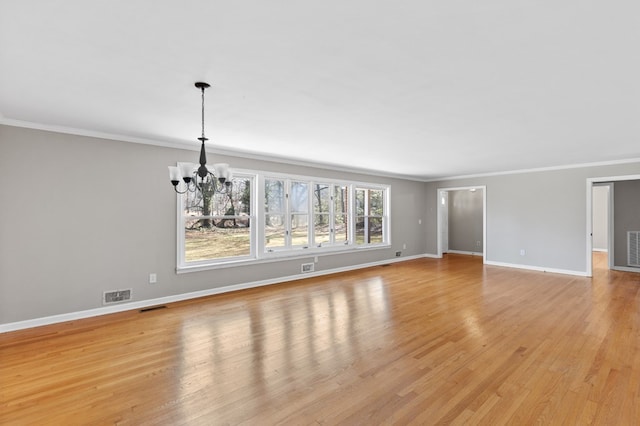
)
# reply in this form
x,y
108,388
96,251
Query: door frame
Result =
x,y
610,231
484,217
589,233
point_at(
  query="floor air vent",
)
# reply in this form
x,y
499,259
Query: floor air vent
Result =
x,y
633,248
116,296
153,308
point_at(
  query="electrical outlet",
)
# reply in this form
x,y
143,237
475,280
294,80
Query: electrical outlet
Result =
x,y
522,252
153,278
404,246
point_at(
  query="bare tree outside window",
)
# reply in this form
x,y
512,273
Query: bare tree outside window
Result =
x,y
217,224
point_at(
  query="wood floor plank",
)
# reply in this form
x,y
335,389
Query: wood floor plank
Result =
x,y
426,341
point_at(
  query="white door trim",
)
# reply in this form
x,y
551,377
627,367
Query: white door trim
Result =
x,y
484,217
589,238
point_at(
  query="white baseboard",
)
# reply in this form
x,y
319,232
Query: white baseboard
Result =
x,y
537,268
72,316
626,269
600,250
470,253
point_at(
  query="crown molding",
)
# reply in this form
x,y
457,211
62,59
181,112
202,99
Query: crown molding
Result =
x,y
193,146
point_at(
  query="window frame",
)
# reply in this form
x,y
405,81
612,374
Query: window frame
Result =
x,y
260,253
182,263
367,215
330,214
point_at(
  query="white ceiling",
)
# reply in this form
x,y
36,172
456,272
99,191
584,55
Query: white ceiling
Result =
x,y
426,89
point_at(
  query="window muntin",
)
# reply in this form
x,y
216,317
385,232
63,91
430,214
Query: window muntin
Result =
x,y
299,214
340,218
322,228
275,225
369,216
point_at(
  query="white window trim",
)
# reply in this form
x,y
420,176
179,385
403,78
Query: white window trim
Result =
x,y
258,254
182,264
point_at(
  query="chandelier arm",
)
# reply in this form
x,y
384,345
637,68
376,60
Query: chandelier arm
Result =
x,y
221,186
181,192
216,189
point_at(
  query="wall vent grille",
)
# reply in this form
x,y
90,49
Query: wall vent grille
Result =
x,y
307,267
633,248
116,296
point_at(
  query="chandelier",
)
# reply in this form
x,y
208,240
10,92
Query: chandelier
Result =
x,y
199,178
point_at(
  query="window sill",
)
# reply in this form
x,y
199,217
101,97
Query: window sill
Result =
x,y
279,257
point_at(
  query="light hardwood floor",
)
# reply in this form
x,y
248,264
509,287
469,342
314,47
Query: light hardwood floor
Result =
x,y
420,342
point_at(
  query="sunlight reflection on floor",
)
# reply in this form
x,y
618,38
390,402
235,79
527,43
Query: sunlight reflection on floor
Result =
x,y
259,345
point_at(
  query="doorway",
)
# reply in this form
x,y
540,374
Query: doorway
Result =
x,y
470,241
602,224
444,215
612,253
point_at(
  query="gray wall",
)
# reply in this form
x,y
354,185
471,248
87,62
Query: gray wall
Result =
x,y
542,212
83,215
465,220
626,216
600,217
